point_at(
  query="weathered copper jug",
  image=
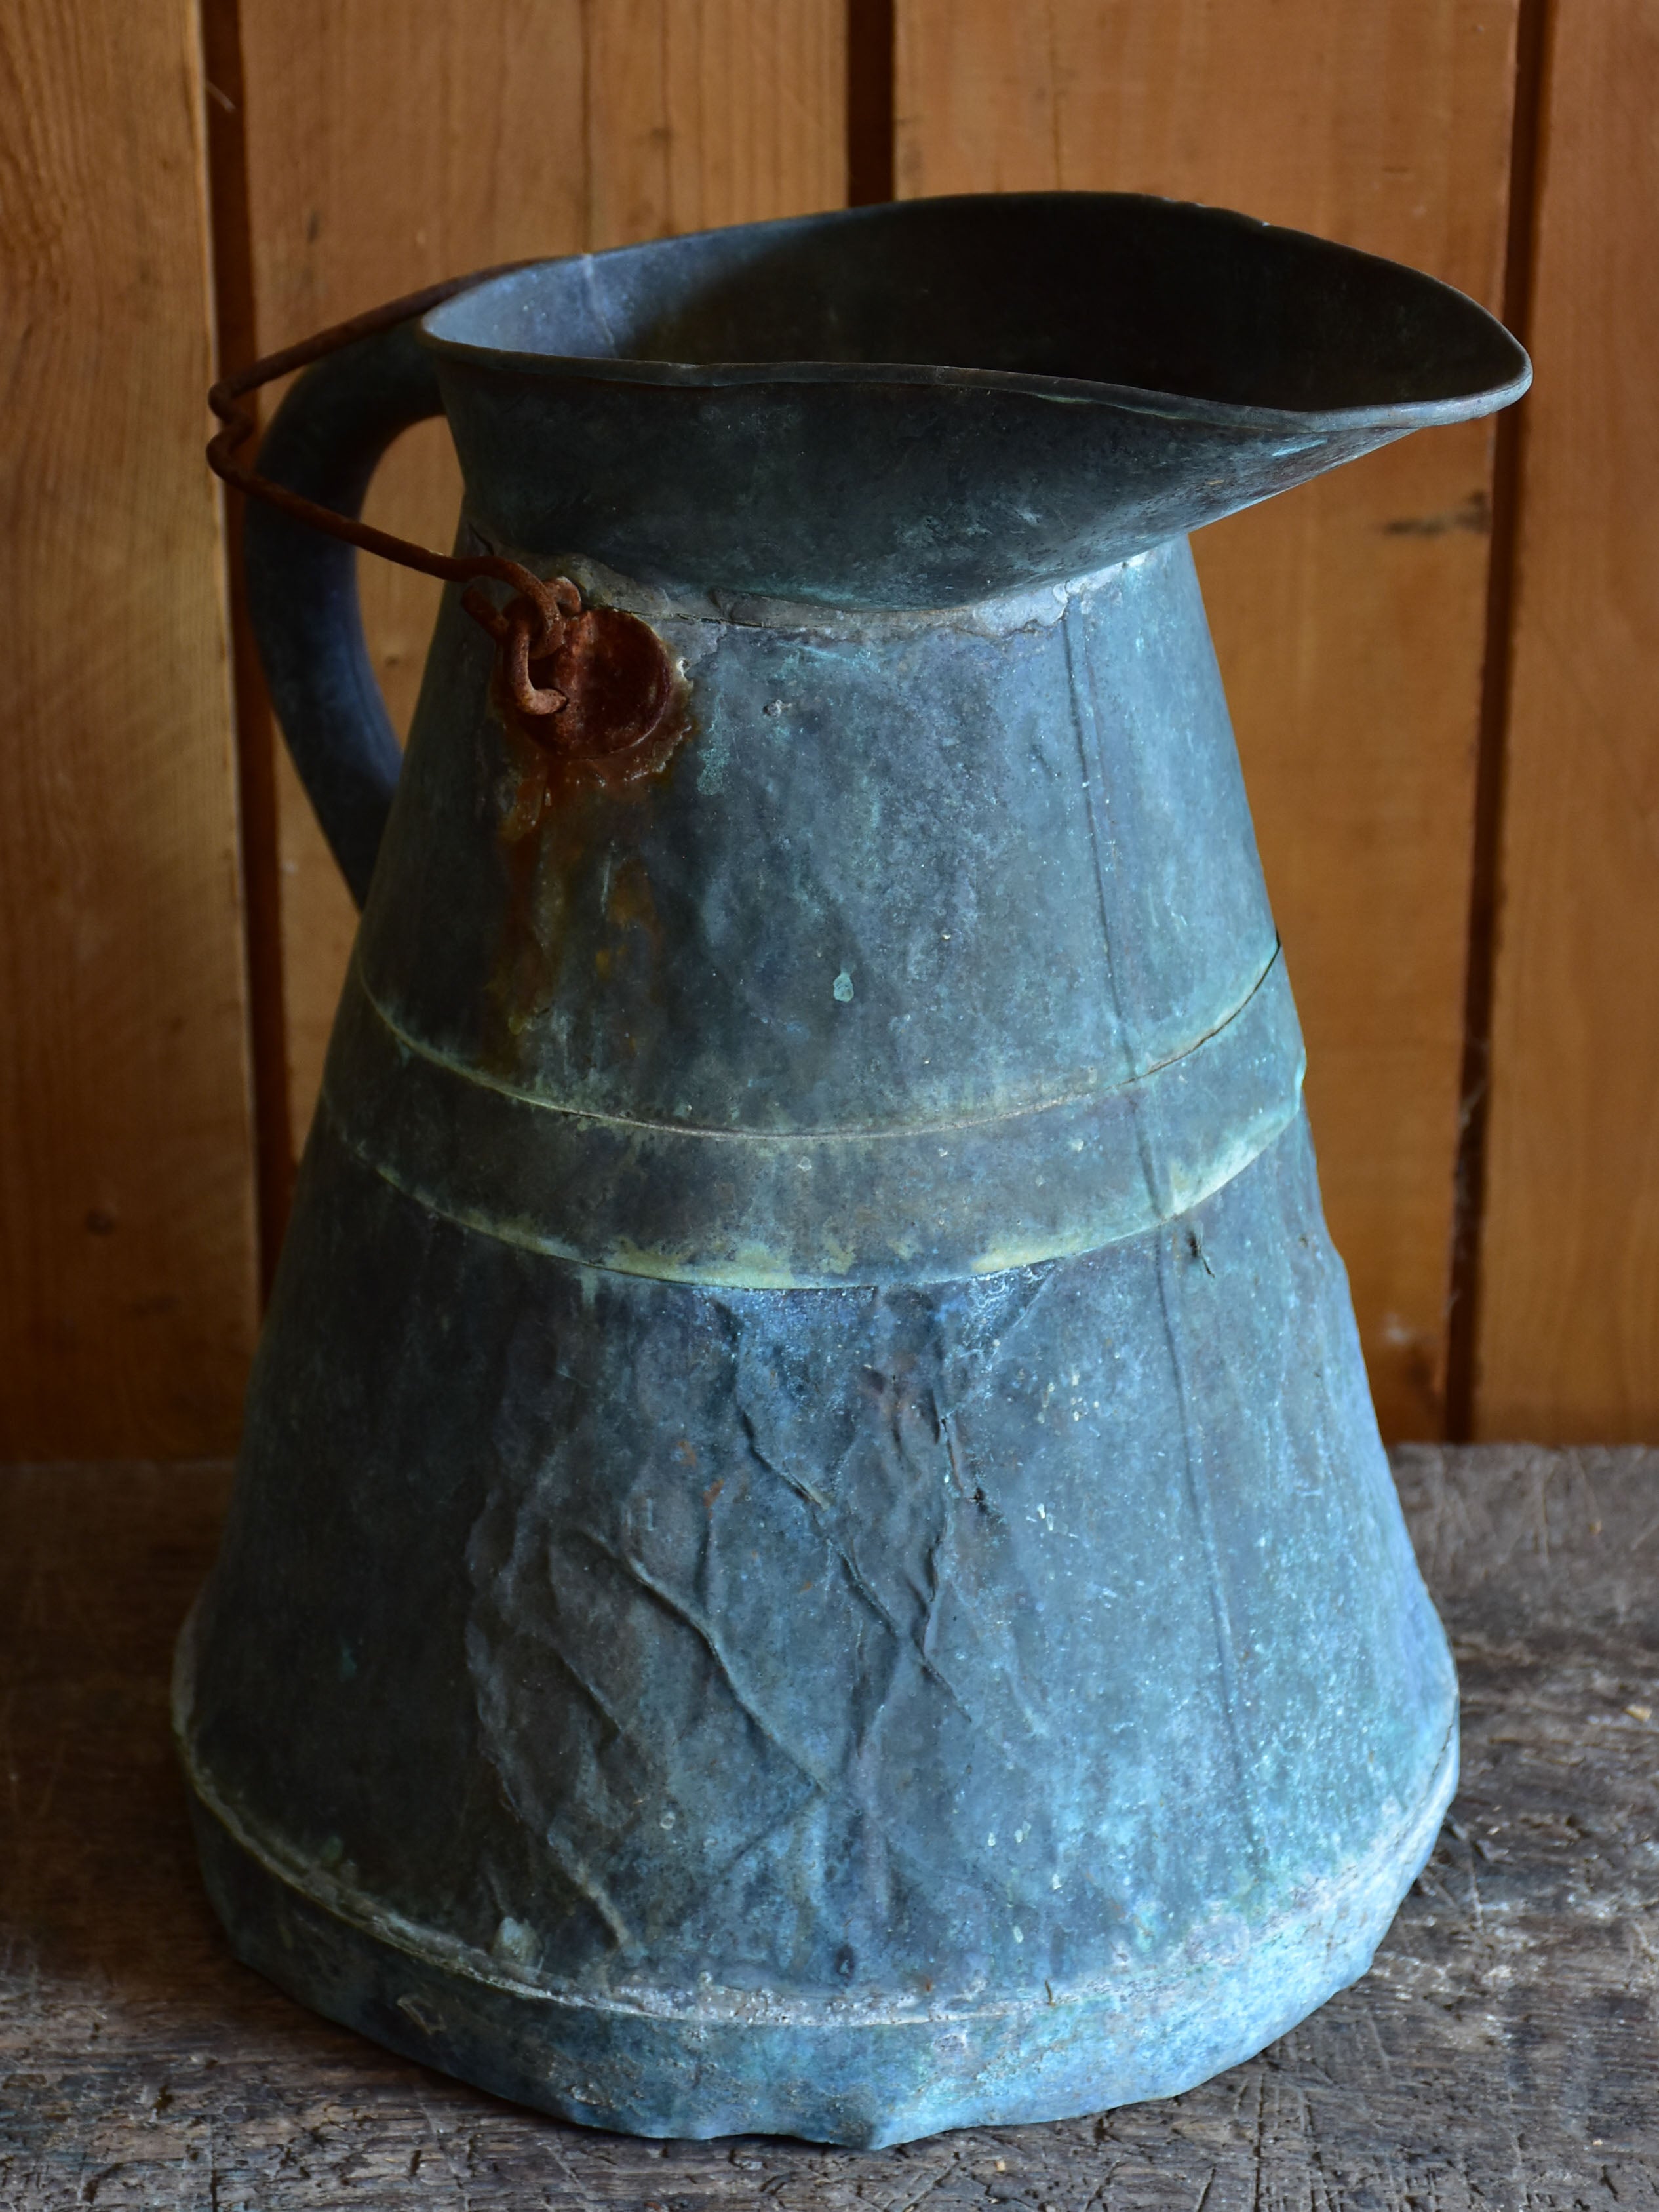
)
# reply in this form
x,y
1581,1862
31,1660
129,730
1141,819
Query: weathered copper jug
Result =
x,y
811,1552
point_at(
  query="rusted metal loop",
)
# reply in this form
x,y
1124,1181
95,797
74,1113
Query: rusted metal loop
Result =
x,y
530,627
522,628
531,623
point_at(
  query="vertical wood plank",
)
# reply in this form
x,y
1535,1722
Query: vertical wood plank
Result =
x,y
1569,1314
1349,617
126,1216
225,113
389,147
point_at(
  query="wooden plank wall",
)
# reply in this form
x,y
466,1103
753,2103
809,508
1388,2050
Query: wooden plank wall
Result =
x,y
127,1306
362,148
1569,1314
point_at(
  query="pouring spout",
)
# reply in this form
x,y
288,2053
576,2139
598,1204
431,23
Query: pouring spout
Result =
x,y
927,403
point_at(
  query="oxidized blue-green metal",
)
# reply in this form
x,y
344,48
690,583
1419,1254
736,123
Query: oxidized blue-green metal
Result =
x,y
811,1552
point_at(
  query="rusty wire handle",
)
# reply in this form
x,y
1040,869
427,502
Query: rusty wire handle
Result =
x,y
532,623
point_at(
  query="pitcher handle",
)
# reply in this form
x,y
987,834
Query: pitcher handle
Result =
x,y
371,379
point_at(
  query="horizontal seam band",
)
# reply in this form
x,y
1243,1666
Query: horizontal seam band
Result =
x,y
464,1072
448,1954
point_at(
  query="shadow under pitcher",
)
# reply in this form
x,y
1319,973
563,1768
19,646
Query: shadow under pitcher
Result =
x,y
811,1552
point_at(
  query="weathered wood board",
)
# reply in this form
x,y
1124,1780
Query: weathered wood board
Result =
x,y
1568,1315
127,1217
1349,617
1502,2052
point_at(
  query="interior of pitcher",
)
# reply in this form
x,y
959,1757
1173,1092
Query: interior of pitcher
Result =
x,y
1104,289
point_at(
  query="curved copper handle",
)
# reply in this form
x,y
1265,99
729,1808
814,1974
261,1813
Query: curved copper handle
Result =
x,y
530,627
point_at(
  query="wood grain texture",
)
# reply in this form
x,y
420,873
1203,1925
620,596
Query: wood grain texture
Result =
x,y
1569,1314
382,157
1500,2055
1348,617
126,1221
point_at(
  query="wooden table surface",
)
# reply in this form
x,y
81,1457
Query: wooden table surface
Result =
x,y
1502,2052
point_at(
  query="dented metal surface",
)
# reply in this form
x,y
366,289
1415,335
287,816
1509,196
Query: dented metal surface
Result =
x,y
811,1552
